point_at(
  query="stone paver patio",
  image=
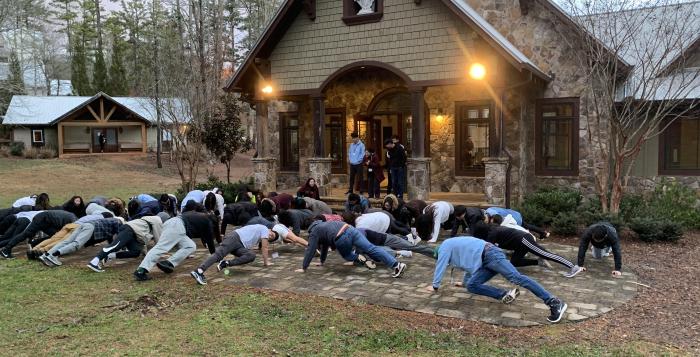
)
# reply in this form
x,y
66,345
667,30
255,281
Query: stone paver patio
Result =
x,y
589,294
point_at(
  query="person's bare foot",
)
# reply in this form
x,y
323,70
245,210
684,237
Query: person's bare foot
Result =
x,y
459,284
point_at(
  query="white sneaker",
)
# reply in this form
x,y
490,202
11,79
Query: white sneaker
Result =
x,y
398,270
574,271
510,296
405,253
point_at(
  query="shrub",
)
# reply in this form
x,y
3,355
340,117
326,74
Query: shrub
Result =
x,y
591,212
565,224
39,153
5,151
230,190
675,202
632,206
652,229
16,148
541,206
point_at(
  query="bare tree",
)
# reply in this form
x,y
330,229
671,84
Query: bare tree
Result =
x,y
638,80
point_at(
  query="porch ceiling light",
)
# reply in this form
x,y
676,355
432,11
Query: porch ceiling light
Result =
x,y
267,89
477,71
440,117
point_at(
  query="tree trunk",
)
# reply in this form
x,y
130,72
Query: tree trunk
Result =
x,y
228,171
617,189
156,71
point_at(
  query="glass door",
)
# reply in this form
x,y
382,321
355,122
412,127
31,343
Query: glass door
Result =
x,y
105,140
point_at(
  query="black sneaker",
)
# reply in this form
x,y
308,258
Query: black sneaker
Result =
x,y
557,309
141,275
7,254
165,266
96,268
32,255
222,265
362,260
201,280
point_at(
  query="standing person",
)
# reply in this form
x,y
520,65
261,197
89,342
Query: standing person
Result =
x,y
398,167
240,242
604,239
375,174
356,156
324,235
482,261
133,236
102,140
434,216
310,189
48,222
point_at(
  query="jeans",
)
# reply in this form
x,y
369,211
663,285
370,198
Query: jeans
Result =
x,y
398,178
353,238
355,182
495,262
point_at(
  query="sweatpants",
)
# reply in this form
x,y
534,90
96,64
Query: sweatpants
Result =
x,y
231,245
173,235
16,228
6,223
398,243
75,240
65,233
126,239
528,245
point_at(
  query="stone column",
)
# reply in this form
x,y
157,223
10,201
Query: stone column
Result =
x,y
320,169
418,125
418,178
319,122
265,174
495,180
261,128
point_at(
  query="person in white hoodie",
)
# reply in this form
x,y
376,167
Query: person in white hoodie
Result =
x,y
434,216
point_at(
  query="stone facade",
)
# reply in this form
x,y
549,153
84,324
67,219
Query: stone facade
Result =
x,y
265,174
418,178
495,180
320,169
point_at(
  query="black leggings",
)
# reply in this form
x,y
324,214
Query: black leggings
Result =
x,y
126,238
40,224
528,245
6,223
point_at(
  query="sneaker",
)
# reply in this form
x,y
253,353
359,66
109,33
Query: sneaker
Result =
x,y
7,254
222,265
557,309
544,263
362,260
398,270
404,253
141,275
46,262
32,255
96,268
574,271
201,280
165,266
510,296
53,259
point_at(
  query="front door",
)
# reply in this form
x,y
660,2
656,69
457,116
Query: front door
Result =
x,y
105,140
335,140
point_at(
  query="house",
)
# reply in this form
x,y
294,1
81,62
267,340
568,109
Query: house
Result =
x,y
487,96
74,125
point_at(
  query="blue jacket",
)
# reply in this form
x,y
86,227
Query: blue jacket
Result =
x,y
364,203
356,153
147,209
503,212
460,252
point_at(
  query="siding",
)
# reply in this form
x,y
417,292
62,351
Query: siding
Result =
x,y
647,163
24,135
420,40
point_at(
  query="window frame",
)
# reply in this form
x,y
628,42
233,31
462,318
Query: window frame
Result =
x,y
43,137
351,19
460,108
283,127
540,169
662,169
342,169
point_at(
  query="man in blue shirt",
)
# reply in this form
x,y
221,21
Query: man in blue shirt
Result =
x,y
356,156
481,261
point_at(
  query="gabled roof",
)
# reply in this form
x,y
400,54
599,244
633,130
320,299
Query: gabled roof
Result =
x,y
290,9
49,110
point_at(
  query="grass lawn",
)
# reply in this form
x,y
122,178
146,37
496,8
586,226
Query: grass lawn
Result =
x,y
70,310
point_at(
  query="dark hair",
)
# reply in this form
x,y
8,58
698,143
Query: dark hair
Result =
x,y
193,205
599,233
320,217
266,208
353,197
78,210
210,201
349,218
387,142
285,217
42,201
164,198
133,207
460,210
354,135
358,209
116,206
395,136
308,220
371,150
299,203
424,225
497,219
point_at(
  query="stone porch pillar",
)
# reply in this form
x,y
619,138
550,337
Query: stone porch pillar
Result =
x,y
418,166
319,165
265,174
264,166
320,169
495,180
418,178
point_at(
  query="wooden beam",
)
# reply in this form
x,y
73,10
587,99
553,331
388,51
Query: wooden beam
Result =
x,y
144,140
102,109
92,111
111,111
60,140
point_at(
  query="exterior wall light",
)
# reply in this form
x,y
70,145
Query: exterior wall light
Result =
x,y
477,71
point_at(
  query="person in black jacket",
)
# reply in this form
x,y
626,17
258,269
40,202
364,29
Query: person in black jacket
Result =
x,y
238,214
48,222
397,168
521,243
178,232
459,220
604,239
296,219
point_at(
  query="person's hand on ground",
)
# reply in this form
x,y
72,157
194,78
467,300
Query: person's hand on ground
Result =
x,y
430,289
269,264
459,284
616,273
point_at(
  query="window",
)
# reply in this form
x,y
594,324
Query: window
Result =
x,y
289,141
679,148
38,136
357,12
473,137
335,139
556,137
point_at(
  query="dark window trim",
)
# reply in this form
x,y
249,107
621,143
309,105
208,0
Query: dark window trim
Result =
x,y
342,112
540,170
459,107
283,116
351,19
662,170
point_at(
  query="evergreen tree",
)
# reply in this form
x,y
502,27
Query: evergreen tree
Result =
x,y
117,85
99,77
78,65
14,84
